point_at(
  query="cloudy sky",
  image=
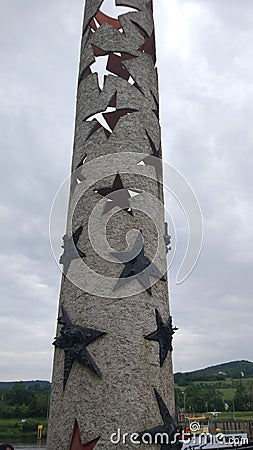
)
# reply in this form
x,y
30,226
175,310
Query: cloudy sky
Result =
x,y
205,58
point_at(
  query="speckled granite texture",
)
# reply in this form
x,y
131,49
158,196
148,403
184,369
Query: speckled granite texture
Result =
x,y
123,398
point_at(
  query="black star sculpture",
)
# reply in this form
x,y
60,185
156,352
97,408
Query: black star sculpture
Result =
x,y
77,176
137,266
163,335
74,340
154,159
169,428
71,251
117,195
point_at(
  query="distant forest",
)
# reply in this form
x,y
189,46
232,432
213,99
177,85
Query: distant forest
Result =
x,y
209,389
24,399
225,387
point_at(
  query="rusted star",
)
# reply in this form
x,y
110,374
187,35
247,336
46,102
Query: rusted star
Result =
x,y
117,195
76,443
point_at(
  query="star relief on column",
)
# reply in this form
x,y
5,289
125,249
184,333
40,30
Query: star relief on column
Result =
x,y
163,335
155,159
137,266
73,340
117,195
163,434
76,443
71,251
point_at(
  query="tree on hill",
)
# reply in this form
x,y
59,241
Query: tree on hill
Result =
x,y
22,402
243,398
198,399
18,395
233,370
250,394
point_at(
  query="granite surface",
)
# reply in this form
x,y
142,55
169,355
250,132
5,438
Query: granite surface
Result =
x,y
123,397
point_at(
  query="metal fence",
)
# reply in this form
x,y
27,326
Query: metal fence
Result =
x,y
235,426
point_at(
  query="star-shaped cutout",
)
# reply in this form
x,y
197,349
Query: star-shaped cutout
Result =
x,y
166,431
76,443
71,251
163,335
108,119
77,177
116,11
74,340
137,266
117,195
100,119
82,161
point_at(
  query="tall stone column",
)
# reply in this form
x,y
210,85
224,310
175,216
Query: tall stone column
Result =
x,y
112,364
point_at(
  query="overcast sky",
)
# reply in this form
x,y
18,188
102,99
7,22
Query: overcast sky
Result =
x,y
205,59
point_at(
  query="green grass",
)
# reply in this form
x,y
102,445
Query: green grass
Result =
x,y
227,394
239,415
226,386
227,389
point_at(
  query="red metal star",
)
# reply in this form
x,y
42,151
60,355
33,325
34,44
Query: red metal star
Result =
x,y
76,443
117,195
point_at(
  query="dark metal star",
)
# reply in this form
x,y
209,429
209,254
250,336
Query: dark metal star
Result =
x,y
76,443
137,266
169,428
74,340
117,196
154,159
163,335
77,177
167,238
71,251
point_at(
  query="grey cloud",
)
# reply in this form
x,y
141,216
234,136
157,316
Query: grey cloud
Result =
x,y
206,111
40,49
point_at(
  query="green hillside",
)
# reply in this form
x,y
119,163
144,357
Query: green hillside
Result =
x,y
220,372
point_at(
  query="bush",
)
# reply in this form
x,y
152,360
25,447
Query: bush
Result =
x,y
29,425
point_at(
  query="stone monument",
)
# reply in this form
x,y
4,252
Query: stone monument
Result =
x,y
112,377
